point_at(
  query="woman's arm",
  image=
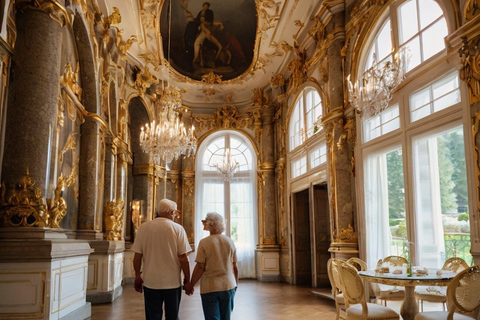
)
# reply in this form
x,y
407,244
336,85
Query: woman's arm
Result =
x,y
196,275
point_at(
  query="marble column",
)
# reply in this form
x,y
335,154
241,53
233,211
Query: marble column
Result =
x,y
344,241
32,99
268,249
91,183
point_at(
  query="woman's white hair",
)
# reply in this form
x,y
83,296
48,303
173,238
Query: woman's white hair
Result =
x,y
215,221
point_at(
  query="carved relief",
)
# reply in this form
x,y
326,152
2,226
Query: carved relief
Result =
x,y
211,78
297,68
472,9
346,235
470,73
25,207
70,79
226,117
114,214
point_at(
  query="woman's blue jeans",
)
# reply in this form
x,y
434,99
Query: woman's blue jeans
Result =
x,y
218,305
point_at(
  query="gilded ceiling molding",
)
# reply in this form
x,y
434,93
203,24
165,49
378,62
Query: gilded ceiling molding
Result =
x,y
144,79
470,72
124,46
472,9
53,8
212,78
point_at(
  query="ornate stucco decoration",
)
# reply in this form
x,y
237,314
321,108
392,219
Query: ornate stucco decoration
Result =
x,y
470,72
349,133
114,215
268,14
226,117
472,9
71,79
25,207
144,79
297,68
475,133
114,18
124,45
211,78
346,235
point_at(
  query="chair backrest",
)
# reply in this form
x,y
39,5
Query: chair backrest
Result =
x,y
358,263
351,284
464,292
333,275
397,261
455,264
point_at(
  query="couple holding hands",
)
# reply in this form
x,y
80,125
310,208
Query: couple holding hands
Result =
x,y
161,246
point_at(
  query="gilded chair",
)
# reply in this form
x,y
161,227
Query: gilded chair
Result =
x,y
437,293
390,293
337,293
353,291
463,294
361,265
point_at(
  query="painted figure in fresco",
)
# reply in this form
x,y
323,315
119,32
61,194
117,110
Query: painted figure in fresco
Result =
x,y
162,245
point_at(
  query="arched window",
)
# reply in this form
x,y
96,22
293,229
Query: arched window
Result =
x,y
234,198
416,212
304,124
303,121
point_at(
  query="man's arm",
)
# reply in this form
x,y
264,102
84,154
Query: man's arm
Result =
x,y
185,265
235,272
137,264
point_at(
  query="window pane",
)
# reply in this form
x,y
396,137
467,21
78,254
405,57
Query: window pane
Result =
x,y
408,20
313,111
441,198
433,39
429,12
296,126
384,42
441,94
416,57
318,156
384,205
385,122
299,167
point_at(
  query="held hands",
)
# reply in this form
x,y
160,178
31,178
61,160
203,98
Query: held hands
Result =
x,y
138,284
188,287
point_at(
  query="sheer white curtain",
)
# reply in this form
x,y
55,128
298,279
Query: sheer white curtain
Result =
x,y
376,209
428,209
243,222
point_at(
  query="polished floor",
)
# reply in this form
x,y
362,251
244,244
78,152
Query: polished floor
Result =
x,y
254,301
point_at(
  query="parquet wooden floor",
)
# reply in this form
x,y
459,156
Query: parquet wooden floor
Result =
x,y
254,301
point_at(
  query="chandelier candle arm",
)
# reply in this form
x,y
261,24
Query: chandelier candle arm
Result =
x,y
228,166
377,84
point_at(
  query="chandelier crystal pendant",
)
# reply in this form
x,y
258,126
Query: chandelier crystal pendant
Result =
x,y
377,84
166,138
228,166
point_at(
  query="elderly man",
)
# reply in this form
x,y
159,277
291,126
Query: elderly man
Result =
x,y
163,246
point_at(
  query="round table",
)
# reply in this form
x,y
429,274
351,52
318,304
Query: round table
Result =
x,y
409,306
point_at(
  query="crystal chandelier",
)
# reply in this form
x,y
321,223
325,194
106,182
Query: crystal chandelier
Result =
x,y
377,85
227,168
166,138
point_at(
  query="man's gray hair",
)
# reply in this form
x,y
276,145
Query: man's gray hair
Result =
x,y
215,221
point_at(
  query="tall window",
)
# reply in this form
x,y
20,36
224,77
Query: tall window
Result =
x,y
303,126
424,208
234,199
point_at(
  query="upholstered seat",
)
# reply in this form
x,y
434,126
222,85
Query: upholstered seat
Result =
x,y
463,294
346,277
437,293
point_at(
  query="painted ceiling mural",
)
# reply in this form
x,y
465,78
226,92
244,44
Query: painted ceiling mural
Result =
x,y
200,37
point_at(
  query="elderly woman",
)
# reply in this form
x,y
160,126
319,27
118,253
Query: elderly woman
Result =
x,y
217,268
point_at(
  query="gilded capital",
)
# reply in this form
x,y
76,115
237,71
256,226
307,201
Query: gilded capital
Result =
x,y
53,8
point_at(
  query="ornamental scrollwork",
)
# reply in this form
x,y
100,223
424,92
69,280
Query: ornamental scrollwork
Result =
x,y
470,72
225,117
346,235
